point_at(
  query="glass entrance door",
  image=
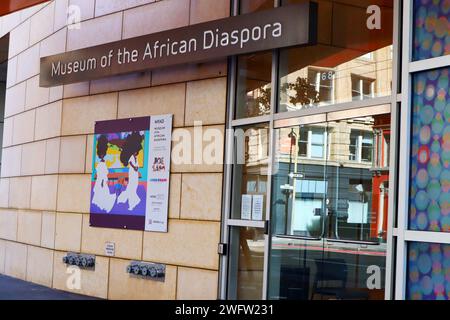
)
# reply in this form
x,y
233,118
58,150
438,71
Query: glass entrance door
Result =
x,y
247,236
329,209
298,205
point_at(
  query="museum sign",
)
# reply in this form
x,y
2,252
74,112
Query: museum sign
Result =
x,y
288,26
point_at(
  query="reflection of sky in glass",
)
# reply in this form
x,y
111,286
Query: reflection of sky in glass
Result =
x,y
431,29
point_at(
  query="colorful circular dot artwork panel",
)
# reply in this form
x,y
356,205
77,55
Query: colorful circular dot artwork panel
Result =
x,y
430,152
428,271
431,29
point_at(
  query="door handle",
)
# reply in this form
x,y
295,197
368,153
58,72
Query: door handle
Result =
x,y
367,243
297,237
267,227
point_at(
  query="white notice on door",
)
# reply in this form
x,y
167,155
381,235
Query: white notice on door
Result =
x,y
257,207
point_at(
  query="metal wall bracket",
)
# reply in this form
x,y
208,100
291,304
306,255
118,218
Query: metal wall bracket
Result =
x,y
222,249
84,261
146,270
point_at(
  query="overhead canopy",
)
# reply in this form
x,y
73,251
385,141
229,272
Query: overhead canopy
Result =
x,y
9,6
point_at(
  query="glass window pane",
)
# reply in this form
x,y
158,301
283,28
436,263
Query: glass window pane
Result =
x,y
343,66
368,138
298,208
431,29
428,275
250,171
322,81
246,264
366,153
329,215
385,156
317,137
299,212
358,204
303,142
317,151
303,149
367,147
253,96
367,88
354,146
293,268
430,161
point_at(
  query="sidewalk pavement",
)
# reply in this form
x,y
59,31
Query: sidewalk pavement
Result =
x,y
14,289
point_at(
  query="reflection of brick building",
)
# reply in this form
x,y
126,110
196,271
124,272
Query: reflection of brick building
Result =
x,y
380,173
367,76
344,170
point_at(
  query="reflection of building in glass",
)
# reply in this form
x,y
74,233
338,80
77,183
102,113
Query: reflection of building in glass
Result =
x,y
256,161
367,76
254,89
380,172
341,171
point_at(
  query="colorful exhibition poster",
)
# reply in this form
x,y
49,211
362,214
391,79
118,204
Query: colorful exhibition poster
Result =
x,y
130,173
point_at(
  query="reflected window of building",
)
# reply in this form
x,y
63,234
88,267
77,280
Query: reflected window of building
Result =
x,y
312,142
323,82
354,143
343,66
253,96
361,146
303,142
385,153
318,137
362,88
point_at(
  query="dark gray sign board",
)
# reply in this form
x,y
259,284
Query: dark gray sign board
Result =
x,y
282,27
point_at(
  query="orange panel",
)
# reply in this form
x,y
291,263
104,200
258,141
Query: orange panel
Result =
x,y
8,6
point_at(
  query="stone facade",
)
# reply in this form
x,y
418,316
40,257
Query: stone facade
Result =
x,y
46,162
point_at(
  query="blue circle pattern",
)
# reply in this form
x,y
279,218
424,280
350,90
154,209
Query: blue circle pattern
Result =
x,y
428,271
430,152
429,264
431,29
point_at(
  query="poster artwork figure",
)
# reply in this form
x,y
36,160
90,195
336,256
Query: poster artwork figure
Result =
x,y
129,184
129,158
102,197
